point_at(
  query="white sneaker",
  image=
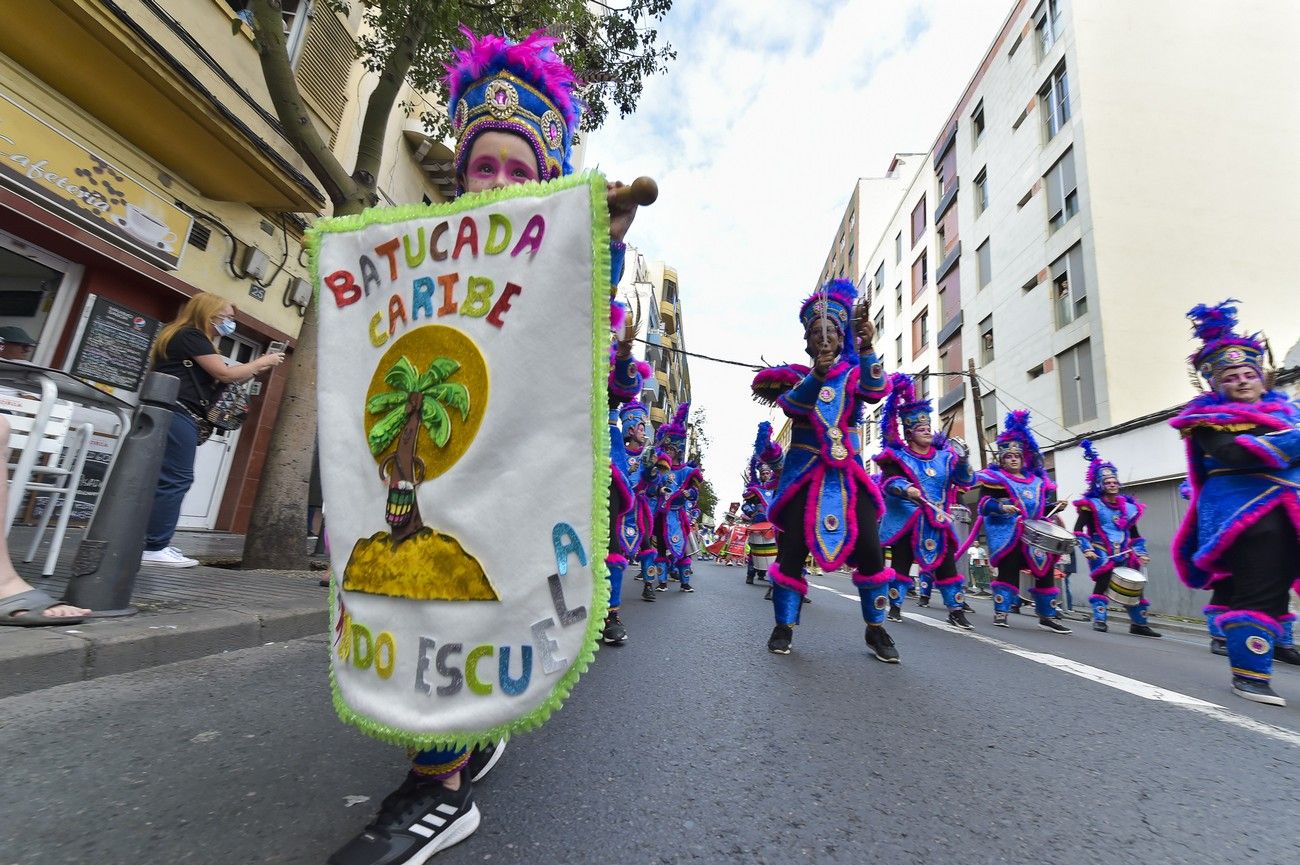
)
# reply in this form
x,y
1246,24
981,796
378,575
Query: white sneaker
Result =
x,y
168,557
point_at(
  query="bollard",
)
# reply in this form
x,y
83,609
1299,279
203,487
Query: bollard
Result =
x,y
104,570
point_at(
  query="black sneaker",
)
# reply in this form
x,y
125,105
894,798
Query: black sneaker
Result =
x,y
957,618
768,595
1218,646
749,580
895,613
923,601
1100,626
967,608
911,591
881,644
687,587
614,634
483,759
762,578
1052,625
779,642
1256,691
806,600
1286,654
1143,631
415,821
1000,620
662,587
648,592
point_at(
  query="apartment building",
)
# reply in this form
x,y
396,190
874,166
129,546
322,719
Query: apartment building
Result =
x,y
649,289
1106,167
141,160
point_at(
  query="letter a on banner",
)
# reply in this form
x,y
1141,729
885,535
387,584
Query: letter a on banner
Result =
x,y
450,451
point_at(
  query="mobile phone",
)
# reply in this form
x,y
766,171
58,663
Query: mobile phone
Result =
x,y
277,347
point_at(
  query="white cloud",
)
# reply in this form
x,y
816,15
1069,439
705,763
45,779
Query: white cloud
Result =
x,y
756,135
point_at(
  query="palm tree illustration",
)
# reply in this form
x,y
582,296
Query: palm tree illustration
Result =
x,y
418,401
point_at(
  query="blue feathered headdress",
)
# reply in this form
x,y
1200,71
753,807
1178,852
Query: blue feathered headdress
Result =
x,y
1016,437
1098,469
902,408
766,453
673,433
1222,347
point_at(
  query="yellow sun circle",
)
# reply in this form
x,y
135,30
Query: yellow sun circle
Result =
x,y
421,346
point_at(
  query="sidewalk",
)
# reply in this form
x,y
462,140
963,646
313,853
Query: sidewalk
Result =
x,y
184,613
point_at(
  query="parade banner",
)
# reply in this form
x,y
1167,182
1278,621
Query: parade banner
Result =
x,y
463,361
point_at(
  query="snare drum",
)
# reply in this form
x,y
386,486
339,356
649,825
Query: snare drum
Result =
x,y
1126,587
1049,537
762,545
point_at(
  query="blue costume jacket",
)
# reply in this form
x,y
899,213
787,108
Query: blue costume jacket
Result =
x,y
1230,494
823,452
938,475
1107,530
1033,494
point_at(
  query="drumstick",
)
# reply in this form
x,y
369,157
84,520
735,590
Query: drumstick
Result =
x,y
642,193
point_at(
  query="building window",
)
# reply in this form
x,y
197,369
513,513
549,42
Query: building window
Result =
x,y
296,14
941,239
977,125
923,329
941,179
1048,27
880,277
1069,288
1055,100
920,277
922,383
898,350
1062,192
986,340
1078,395
853,218
989,409
898,248
880,323
981,191
918,220
984,259
898,298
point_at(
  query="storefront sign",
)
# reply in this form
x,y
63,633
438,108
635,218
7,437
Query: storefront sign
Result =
x,y
46,164
113,346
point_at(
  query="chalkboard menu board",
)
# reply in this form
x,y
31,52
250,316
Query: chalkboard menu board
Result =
x,y
114,345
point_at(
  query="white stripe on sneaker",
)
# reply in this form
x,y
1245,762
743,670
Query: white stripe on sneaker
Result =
x,y
422,830
434,820
446,809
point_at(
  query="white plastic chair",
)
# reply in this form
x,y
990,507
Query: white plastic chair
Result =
x,y
61,455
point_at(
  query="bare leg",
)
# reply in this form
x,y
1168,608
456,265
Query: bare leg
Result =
x,y
10,583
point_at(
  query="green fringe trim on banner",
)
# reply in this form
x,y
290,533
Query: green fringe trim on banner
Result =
x,y
598,606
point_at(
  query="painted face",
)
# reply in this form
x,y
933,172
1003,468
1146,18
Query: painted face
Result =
x,y
921,435
1110,486
822,335
497,160
1240,383
1012,462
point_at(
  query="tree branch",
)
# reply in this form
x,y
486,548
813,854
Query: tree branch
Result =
x,y
294,115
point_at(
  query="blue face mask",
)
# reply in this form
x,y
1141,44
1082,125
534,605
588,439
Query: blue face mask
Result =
x,y
225,327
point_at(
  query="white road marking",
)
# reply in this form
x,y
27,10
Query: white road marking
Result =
x,y
1104,677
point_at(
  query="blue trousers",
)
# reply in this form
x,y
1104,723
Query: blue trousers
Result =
x,y
174,480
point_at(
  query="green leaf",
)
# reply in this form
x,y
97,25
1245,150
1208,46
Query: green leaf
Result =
x,y
403,375
440,369
436,422
453,394
386,430
385,400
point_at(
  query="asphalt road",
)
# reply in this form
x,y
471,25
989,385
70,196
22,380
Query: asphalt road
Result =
x,y
693,744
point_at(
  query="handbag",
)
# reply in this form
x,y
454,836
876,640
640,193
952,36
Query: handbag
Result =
x,y
228,408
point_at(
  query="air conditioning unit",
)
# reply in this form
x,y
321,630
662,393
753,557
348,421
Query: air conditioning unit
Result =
x,y
253,263
298,292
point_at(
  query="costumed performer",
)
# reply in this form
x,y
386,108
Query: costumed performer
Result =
x,y
630,510
1107,529
514,108
923,475
669,484
1013,492
1241,534
825,502
764,470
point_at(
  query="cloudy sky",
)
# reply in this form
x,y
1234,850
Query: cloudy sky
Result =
x,y
756,136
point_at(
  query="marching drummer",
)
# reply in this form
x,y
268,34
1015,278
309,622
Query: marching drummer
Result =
x,y
1107,529
923,473
1016,500
764,468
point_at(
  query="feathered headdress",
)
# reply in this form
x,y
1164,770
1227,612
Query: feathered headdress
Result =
x,y
1098,469
1017,438
902,408
673,433
632,413
520,87
766,453
1222,347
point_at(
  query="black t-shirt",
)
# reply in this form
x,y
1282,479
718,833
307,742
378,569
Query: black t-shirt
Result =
x,y
188,344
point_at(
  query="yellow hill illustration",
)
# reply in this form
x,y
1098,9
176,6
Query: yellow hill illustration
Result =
x,y
426,566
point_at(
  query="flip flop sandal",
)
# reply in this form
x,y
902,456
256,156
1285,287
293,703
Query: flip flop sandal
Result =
x,y
26,610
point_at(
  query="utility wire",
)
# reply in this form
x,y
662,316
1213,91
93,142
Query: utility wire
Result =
x,y
754,366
